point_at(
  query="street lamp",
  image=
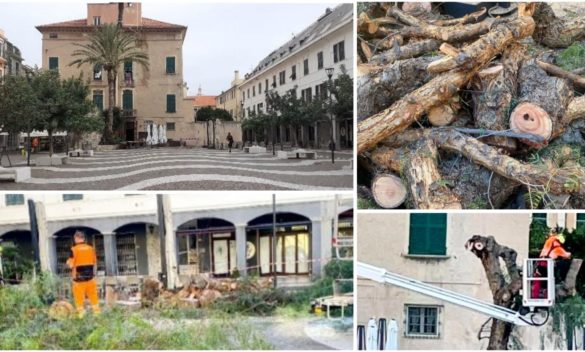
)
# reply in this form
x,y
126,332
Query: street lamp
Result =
x,y
329,72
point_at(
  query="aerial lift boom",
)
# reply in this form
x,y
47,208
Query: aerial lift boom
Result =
x,y
492,310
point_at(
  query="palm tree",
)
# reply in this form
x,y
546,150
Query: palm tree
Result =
x,y
109,47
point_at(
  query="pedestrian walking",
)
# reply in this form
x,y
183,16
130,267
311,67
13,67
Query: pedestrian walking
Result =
x,y
230,140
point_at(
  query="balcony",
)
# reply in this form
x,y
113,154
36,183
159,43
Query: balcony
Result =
x,y
128,80
129,114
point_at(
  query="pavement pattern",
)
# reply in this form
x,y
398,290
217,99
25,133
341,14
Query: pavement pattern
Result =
x,y
191,169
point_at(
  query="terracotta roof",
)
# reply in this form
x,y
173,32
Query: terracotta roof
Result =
x,y
147,23
204,100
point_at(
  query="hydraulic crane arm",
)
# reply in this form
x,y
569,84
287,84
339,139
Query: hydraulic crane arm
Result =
x,y
497,312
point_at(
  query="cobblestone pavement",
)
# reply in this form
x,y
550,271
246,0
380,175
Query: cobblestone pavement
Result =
x,y
191,169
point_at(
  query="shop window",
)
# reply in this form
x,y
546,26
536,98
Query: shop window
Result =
x,y
126,252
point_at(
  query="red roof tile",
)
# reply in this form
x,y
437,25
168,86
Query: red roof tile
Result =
x,y
204,100
147,23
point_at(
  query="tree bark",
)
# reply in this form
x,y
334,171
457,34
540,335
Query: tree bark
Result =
x,y
505,286
407,51
467,19
553,180
381,87
568,288
407,110
575,110
109,131
388,191
485,48
555,32
542,101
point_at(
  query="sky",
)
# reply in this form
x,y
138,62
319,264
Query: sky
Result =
x,y
221,37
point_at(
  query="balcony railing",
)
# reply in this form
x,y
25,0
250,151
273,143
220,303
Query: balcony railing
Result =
x,y
129,113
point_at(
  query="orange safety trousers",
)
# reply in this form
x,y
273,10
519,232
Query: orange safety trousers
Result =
x,y
83,289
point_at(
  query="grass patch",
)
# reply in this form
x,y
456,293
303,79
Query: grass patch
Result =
x,y
572,57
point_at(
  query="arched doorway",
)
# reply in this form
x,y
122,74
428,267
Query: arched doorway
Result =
x,y
343,246
292,246
64,242
207,245
17,255
133,243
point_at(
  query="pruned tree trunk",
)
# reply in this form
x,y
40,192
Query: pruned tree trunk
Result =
x,y
542,101
568,288
442,115
381,87
388,191
407,51
504,285
555,32
575,110
407,110
547,178
109,130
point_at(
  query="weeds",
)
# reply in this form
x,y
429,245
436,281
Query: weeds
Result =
x,y
572,57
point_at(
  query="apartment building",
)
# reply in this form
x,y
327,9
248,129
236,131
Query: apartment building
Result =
x,y
156,95
300,65
230,100
430,247
214,235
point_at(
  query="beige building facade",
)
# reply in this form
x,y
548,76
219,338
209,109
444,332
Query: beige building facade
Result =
x,y
156,94
391,241
230,100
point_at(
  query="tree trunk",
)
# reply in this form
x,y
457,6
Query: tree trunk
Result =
x,y
575,110
555,32
542,101
388,191
50,132
549,178
29,148
213,124
492,106
381,87
407,51
505,286
111,103
207,132
407,110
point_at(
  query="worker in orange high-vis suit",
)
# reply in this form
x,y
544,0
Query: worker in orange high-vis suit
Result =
x,y
553,246
83,264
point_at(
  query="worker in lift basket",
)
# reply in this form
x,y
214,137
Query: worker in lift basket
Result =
x,y
83,264
553,249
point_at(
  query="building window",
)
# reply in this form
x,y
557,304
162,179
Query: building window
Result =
x,y
98,99
171,103
254,91
339,52
266,86
259,87
127,100
428,234
274,81
306,67
53,35
14,199
282,77
319,60
422,321
68,197
97,20
306,95
248,93
260,107
97,72
128,73
53,63
321,91
293,74
170,65
170,126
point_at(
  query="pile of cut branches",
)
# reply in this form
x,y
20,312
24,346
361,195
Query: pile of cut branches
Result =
x,y
469,112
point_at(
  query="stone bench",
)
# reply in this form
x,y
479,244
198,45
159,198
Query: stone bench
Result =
x,y
80,153
296,154
256,150
51,160
15,174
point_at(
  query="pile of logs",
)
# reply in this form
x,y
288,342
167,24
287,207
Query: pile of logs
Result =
x,y
202,291
458,112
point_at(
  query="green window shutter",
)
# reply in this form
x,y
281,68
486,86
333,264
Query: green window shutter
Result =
x,y
98,101
171,65
428,234
127,66
127,103
171,103
14,199
53,63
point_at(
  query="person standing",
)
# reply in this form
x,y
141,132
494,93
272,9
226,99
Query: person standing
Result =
x,y
83,264
230,140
